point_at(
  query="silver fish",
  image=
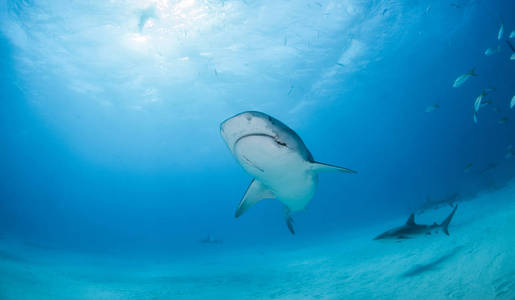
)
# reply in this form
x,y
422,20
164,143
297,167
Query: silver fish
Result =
x,y
492,51
463,78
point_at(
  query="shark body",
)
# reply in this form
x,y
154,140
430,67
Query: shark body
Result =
x,y
411,229
275,156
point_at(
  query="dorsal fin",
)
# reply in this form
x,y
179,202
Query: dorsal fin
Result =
x,y
411,220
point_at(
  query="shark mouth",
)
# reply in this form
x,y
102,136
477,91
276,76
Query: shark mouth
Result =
x,y
274,137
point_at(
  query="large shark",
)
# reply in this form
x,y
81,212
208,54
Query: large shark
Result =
x,y
272,153
411,229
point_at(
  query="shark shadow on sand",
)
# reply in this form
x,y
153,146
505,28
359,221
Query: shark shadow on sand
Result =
x,y
431,265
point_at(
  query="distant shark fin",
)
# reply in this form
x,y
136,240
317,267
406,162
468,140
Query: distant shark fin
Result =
x,y
411,220
256,192
445,223
320,167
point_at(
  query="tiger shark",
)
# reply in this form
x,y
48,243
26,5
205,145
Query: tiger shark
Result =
x,y
278,160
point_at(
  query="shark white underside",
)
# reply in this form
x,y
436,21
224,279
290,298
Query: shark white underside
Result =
x,y
282,166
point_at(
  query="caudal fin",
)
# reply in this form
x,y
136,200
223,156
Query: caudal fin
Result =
x,y
445,223
473,72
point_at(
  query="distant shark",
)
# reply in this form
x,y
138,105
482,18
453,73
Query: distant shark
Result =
x,y
210,240
272,153
411,229
435,204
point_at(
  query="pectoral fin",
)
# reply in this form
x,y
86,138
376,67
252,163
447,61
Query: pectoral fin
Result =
x,y
320,167
256,192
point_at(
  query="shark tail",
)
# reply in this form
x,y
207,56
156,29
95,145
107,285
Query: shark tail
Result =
x,y
472,72
445,223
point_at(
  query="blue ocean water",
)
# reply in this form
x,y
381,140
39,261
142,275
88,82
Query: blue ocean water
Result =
x,y
111,147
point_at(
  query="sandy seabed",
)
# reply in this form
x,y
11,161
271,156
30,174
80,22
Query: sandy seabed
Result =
x,y
477,261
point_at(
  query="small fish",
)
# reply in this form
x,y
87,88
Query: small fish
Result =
x,y
467,167
384,11
475,116
502,120
488,90
512,34
462,78
512,104
492,51
290,90
477,103
432,108
490,167
501,31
